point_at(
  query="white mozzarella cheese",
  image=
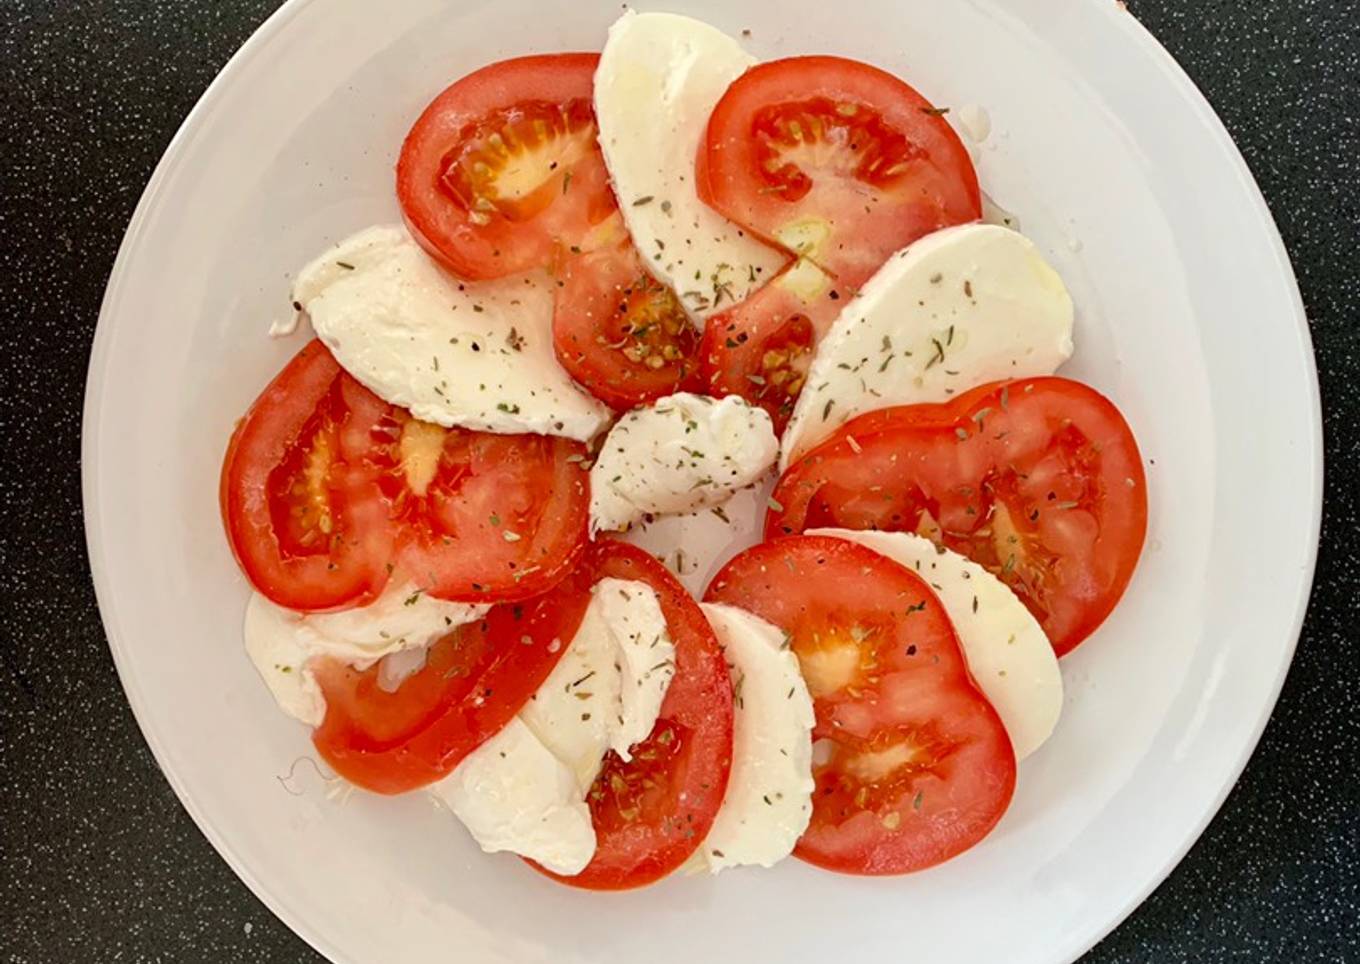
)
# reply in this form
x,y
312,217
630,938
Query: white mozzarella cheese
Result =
x,y
513,794
682,453
956,309
526,788
659,77
473,354
645,658
769,794
581,711
1008,654
281,642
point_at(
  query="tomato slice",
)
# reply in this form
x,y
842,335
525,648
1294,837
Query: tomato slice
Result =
x,y
912,765
762,348
502,172
473,682
622,334
652,813
303,512
1039,480
839,163
837,160
326,489
484,518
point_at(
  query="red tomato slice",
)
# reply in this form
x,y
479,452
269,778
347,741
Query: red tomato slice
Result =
x,y
1039,480
304,514
761,349
844,150
915,765
620,333
652,813
502,172
835,161
485,518
326,489
474,681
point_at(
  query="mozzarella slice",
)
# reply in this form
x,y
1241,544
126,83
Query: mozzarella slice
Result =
x,y
682,453
525,790
513,794
646,659
281,643
473,354
769,794
581,711
959,308
1008,654
659,77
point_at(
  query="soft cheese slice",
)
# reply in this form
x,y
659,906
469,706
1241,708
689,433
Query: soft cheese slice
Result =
x,y
957,309
513,794
473,354
769,794
681,453
660,76
581,711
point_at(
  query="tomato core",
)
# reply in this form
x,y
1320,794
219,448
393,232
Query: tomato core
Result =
x,y
796,141
514,161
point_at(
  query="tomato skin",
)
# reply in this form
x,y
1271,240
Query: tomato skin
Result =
x,y
916,766
574,198
474,683
836,162
692,743
354,570
627,357
1040,480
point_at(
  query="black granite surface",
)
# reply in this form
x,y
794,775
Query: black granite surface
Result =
x,y
98,862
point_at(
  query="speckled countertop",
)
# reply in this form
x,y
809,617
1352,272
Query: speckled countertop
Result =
x,y
98,862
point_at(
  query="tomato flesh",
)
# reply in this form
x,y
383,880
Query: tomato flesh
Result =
x,y
620,333
508,162
799,142
912,765
840,164
1038,480
327,490
651,813
495,517
762,348
837,160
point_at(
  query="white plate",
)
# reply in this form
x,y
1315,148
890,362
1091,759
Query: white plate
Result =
x,y
1189,319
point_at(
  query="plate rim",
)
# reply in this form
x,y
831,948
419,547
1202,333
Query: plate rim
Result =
x,y
1081,940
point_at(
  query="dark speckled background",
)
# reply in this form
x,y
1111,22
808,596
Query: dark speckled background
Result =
x,y
98,862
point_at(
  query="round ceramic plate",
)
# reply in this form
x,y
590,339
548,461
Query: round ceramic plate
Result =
x,y
1188,318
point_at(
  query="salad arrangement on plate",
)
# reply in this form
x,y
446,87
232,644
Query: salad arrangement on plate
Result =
x,y
480,509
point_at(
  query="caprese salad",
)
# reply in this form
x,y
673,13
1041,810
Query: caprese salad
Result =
x,y
480,508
